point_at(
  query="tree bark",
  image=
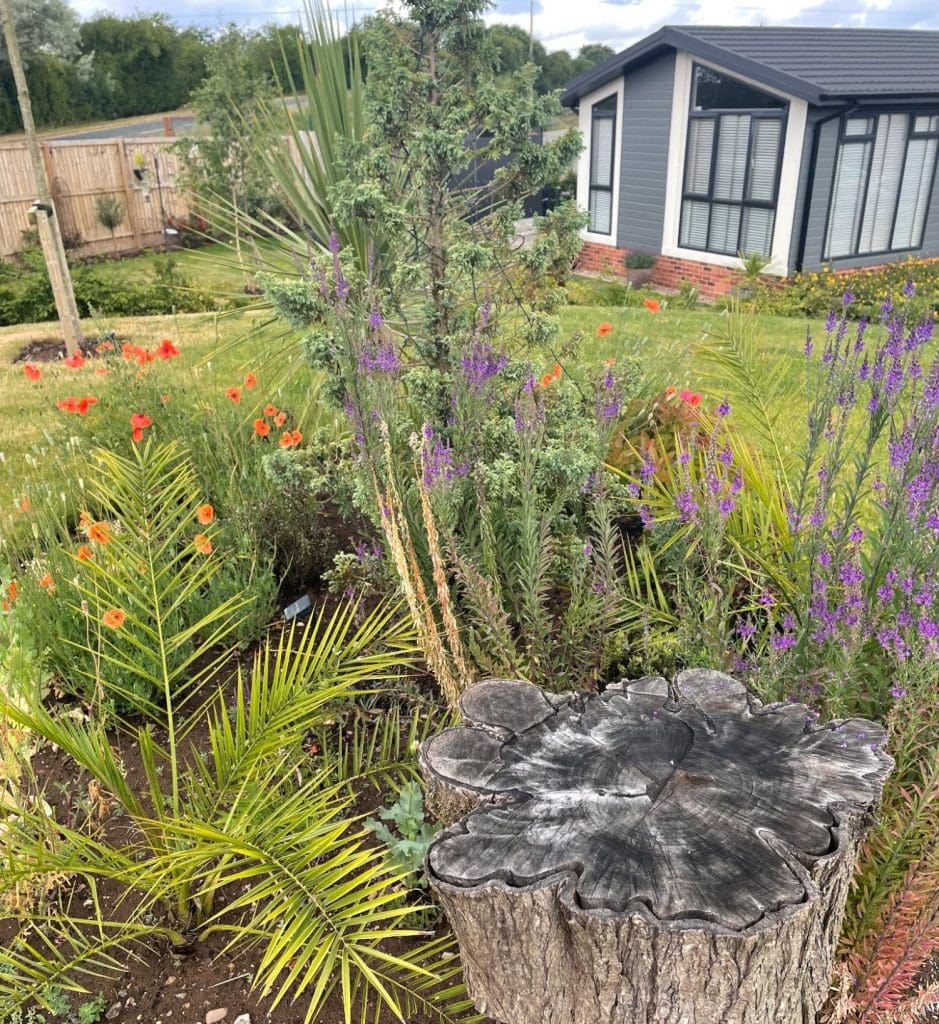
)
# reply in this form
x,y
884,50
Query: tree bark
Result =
x,y
651,855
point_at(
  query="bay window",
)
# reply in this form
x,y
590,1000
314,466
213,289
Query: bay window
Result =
x,y
883,180
732,158
602,164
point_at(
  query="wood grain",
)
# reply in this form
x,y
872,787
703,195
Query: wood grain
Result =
x,y
648,810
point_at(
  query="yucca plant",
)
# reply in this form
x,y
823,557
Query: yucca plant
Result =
x,y
315,893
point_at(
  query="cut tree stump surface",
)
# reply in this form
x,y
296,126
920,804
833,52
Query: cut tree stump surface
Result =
x,y
603,834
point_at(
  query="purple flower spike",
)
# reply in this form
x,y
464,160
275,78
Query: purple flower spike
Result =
x,y
847,298
375,319
723,409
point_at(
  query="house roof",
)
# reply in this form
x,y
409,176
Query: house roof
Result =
x,y
815,64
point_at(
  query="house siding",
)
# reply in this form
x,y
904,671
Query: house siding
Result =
x,y
821,195
647,106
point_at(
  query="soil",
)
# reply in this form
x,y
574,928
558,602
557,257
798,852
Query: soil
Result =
x,y
165,985
50,350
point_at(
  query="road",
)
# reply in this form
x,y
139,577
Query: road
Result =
x,y
181,125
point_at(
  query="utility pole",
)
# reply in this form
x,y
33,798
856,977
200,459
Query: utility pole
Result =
x,y
47,223
531,31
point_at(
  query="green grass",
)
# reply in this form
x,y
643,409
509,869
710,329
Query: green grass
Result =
x,y
665,343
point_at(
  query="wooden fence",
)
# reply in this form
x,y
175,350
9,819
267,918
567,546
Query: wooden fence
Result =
x,y
80,172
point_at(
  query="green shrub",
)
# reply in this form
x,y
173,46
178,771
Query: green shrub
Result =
x,y
639,260
816,293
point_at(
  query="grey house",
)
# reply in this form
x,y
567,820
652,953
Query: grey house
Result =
x,y
809,145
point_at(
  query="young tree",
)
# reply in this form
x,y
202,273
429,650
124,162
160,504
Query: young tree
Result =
x,y
448,158
110,213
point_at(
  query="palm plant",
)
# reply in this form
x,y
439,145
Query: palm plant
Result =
x,y
317,896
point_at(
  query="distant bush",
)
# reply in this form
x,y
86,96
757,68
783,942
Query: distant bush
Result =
x,y
26,295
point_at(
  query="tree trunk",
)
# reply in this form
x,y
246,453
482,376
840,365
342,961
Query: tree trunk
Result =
x,y
651,855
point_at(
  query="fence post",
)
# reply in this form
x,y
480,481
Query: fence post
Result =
x,y
120,151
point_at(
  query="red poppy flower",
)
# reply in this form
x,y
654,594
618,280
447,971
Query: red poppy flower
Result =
x,y
84,404
140,421
69,404
652,305
74,362
129,351
101,371
604,329
32,372
234,394
113,618
202,544
136,435
99,533
262,428
685,395
694,400
83,554
250,381
105,346
205,514
280,419
166,350
270,410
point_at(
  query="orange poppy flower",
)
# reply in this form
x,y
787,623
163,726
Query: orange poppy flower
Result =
x,y
105,346
670,391
83,554
136,435
556,372
84,521
113,618
250,381
270,410
99,533
205,514
48,582
101,371
280,419
166,350
129,351
261,427
202,544
652,305
164,398
234,394
24,504
547,380
31,371
604,329
140,421
296,437
74,362
12,591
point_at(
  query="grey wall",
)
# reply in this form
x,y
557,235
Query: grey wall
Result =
x,y
821,194
645,125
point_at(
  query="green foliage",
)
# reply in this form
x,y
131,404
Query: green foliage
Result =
x,y
109,211
639,260
92,1010
26,296
816,293
412,835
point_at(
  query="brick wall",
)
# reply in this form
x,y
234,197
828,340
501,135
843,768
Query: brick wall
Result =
x,y
669,272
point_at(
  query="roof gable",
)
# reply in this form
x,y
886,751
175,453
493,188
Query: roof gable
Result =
x,y
813,64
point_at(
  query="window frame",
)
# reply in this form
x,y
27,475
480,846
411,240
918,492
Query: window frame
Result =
x,y
611,187
780,114
843,138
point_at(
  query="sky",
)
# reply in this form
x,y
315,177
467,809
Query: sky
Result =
x,y
569,24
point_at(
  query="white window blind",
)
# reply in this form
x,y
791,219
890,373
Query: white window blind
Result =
x,y
763,158
602,160
757,233
725,228
883,177
700,146
694,224
733,139
847,198
918,174
884,183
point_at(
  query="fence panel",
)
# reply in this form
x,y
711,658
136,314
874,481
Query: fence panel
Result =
x,y
141,173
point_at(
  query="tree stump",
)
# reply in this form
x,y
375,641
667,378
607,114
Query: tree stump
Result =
x,y
650,855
